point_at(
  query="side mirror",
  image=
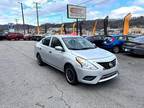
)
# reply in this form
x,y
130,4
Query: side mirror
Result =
x,y
59,48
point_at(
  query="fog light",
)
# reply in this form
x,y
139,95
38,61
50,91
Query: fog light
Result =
x,y
89,78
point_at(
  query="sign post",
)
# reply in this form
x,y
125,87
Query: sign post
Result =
x,y
76,12
77,26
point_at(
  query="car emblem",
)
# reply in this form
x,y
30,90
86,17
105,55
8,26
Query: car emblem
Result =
x,y
110,64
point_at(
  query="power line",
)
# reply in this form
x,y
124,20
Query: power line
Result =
x,y
85,2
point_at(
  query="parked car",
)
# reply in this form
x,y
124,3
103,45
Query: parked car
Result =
x,y
97,40
135,46
15,36
2,36
27,37
37,37
114,43
78,58
129,38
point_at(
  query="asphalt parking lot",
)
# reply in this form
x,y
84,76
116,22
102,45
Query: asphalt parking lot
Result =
x,y
24,84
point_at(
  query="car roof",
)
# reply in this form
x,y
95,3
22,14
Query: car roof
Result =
x,y
116,35
62,36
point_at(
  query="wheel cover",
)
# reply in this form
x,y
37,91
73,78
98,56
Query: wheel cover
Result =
x,y
39,59
69,75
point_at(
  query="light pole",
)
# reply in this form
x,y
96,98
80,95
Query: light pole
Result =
x,y
37,17
16,28
22,16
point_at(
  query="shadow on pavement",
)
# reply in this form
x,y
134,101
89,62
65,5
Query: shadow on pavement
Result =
x,y
113,83
133,55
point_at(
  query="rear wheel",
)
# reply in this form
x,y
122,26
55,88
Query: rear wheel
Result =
x,y
116,49
39,60
70,75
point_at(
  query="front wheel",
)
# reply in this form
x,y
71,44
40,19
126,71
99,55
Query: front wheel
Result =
x,y
70,75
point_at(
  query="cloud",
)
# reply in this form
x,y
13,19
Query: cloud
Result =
x,y
54,10
138,2
92,15
122,11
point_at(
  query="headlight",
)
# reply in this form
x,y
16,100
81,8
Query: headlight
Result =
x,y
85,63
105,42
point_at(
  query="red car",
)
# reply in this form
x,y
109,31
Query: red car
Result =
x,y
15,36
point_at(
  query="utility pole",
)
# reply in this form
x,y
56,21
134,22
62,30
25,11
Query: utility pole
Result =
x,y
38,30
77,27
16,28
22,16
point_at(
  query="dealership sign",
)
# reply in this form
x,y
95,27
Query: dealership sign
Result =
x,y
76,12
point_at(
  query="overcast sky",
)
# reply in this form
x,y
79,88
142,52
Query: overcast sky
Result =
x,y
54,11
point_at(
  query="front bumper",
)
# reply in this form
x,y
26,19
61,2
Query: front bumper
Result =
x,y
99,75
138,51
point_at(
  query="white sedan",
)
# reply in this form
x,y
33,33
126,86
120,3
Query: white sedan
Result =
x,y
79,59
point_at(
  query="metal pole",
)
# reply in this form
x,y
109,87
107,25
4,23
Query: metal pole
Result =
x,y
37,17
16,28
77,26
23,17
45,28
80,28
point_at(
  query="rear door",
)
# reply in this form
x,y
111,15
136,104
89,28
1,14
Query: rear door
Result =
x,y
121,40
45,48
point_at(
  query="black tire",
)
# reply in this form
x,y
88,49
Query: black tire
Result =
x,y
70,75
116,49
39,60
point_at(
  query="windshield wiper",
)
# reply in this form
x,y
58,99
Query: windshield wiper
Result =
x,y
74,49
88,48
82,48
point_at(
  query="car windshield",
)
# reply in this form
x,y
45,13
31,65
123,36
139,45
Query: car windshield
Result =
x,y
139,39
77,43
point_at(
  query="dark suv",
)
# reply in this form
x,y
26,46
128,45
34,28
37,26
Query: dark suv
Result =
x,y
2,36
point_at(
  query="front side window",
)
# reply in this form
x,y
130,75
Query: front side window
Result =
x,y
46,41
121,38
55,42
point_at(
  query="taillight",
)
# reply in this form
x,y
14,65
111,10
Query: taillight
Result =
x,y
124,45
112,39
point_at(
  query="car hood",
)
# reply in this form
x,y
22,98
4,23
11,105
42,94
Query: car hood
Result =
x,y
96,53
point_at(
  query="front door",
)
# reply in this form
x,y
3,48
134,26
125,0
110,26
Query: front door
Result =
x,y
56,57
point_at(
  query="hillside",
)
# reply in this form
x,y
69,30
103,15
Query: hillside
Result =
x,y
113,23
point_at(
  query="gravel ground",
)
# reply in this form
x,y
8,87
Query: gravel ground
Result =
x,y
24,84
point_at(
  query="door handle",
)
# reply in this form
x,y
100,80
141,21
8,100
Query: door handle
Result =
x,y
50,52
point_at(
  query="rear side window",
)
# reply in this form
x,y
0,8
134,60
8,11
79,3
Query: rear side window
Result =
x,y
46,41
121,38
55,42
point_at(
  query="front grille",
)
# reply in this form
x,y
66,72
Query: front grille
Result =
x,y
108,65
109,75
